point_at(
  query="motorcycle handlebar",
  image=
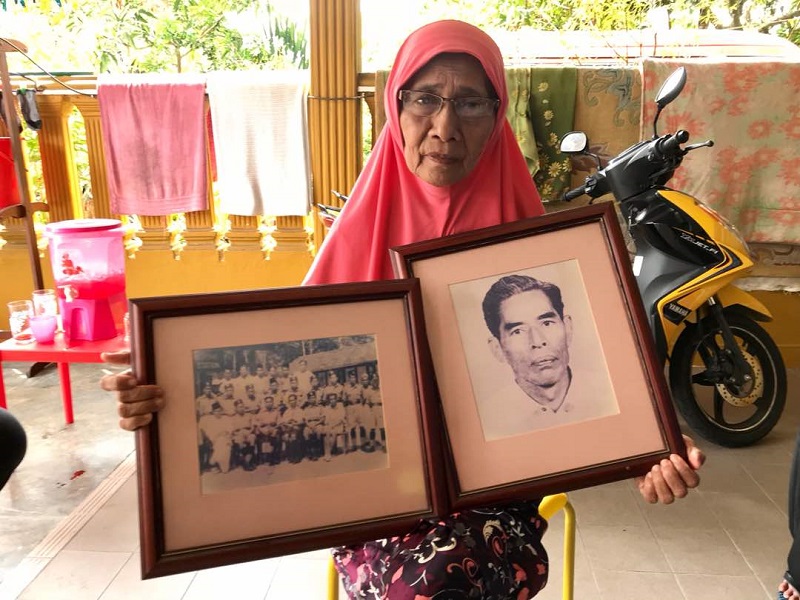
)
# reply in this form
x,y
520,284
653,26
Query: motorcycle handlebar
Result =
x,y
570,195
650,161
671,145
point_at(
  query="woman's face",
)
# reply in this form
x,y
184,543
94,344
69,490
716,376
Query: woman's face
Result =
x,y
444,148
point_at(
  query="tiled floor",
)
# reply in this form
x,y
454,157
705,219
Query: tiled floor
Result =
x,y
63,463
728,539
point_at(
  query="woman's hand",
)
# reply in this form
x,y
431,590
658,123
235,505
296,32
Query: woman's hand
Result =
x,y
135,403
672,478
789,592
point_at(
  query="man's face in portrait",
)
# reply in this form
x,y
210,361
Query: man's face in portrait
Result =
x,y
534,339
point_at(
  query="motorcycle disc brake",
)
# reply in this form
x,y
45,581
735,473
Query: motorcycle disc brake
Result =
x,y
756,385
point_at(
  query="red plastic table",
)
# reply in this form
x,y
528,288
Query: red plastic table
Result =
x,y
79,351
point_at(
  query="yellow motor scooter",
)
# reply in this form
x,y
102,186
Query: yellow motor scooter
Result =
x,y
726,374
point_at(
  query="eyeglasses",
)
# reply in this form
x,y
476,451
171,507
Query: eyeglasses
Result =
x,y
425,104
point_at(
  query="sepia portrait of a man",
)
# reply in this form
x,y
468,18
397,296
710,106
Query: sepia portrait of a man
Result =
x,y
538,364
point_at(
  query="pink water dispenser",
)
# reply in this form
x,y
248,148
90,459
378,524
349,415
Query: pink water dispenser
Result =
x,y
88,262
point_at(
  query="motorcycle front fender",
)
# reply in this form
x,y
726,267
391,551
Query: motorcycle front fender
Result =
x,y
731,298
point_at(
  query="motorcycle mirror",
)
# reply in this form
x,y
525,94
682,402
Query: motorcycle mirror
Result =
x,y
670,89
574,142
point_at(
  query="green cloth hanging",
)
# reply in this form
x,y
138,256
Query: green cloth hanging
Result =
x,y
553,92
518,81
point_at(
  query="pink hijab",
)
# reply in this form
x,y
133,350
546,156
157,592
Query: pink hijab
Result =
x,y
390,206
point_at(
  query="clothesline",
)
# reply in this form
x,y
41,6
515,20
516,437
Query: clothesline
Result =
x,y
7,45
92,90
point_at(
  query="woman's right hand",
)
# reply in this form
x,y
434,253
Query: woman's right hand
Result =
x,y
135,403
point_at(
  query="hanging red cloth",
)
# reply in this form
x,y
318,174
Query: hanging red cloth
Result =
x,y
9,191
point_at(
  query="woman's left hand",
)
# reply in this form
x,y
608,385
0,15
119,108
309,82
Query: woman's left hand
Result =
x,y
672,478
789,591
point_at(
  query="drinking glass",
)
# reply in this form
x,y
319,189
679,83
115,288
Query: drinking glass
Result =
x,y
45,302
43,328
19,315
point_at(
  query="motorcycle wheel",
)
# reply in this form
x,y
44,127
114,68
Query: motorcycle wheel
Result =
x,y
721,412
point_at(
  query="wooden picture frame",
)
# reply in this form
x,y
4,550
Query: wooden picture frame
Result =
x,y
511,433
207,502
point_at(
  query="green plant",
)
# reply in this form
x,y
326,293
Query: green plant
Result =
x,y
138,36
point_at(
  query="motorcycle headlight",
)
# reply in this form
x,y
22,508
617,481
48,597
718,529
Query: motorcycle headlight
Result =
x,y
743,242
731,227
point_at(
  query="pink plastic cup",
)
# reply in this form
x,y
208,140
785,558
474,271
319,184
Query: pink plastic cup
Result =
x,y
43,328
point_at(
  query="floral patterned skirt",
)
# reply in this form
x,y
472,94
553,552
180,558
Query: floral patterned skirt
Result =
x,y
488,554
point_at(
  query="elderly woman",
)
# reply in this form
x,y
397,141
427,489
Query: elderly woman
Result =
x,y
446,162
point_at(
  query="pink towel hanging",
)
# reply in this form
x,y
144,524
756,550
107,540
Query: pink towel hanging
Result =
x,y
154,139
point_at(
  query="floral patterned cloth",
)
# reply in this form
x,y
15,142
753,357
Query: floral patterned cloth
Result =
x,y
553,92
608,108
541,108
751,109
486,554
518,80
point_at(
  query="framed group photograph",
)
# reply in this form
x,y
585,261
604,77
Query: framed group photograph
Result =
x,y
545,365
295,419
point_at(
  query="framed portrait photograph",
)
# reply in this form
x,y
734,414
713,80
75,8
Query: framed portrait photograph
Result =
x,y
295,419
546,369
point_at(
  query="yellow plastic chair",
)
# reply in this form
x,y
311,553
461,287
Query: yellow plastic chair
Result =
x,y
549,506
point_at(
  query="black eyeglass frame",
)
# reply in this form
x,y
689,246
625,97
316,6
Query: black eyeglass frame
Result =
x,y
492,102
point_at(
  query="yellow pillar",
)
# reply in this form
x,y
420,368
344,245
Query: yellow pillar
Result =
x,y
89,108
58,158
334,108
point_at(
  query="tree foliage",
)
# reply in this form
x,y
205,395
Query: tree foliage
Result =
x,y
780,17
137,36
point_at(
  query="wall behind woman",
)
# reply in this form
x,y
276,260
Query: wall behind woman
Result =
x,y
156,273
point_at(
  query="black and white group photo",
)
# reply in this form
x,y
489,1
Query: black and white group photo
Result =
x,y
288,411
